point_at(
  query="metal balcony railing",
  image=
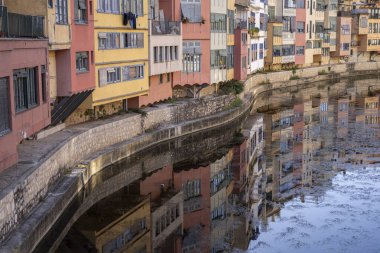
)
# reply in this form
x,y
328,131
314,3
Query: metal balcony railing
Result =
x,y
18,25
166,28
241,24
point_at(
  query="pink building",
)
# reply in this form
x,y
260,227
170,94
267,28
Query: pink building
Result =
x,y
300,42
241,52
165,50
196,42
196,185
24,89
75,67
343,34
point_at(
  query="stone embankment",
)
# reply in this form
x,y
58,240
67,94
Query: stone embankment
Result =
x,y
72,156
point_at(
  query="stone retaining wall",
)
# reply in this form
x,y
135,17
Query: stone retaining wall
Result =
x,y
19,198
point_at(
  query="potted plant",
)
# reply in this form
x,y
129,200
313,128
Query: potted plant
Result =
x,y
203,20
185,20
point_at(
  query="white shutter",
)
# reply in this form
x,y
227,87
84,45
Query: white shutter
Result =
x,y
140,8
122,40
102,77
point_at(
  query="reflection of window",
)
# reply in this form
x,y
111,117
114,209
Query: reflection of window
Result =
x,y
81,61
345,46
346,29
4,106
300,27
363,22
192,188
300,50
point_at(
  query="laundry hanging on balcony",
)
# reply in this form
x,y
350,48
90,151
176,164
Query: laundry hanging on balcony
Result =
x,y
130,18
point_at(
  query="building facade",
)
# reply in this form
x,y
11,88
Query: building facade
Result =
x,y
24,89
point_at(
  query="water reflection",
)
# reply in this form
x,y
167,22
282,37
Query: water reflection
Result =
x,y
291,180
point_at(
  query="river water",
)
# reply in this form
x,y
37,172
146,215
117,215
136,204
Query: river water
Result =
x,y
300,174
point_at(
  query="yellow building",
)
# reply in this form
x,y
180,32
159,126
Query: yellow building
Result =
x,y
230,37
121,54
124,228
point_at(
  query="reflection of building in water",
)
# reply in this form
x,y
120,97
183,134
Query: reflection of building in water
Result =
x,y
167,210
311,140
195,183
221,202
254,164
119,223
341,113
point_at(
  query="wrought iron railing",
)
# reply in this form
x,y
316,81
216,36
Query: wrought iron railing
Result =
x,y
166,28
18,25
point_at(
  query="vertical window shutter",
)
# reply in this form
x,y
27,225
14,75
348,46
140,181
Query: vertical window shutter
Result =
x,y
76,7
140,40
140,8
122,40
102,77
125,73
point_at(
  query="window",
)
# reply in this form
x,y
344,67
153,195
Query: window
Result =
x,y
218,22
155,54
345,46
134,6
254,52
375,28
244,38
230,57
218,59
191,56
167,53
25,88
132,40
363,22
43,83
300,27
80,11
300,50
309,44
191,10
192,189
261,52
173,53
290,4
167,77
109,6
109,40
82,61
346,29
231,21
288,24
370,28
61,12
109,75
192,63
50,3
161,56
244,62
300,4
4,106
133,72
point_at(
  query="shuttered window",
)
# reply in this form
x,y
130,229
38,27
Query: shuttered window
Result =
x,y
80,11
108,40
61,12
4,106
132,40
191,56
109,75
109,6
191,10
133,72
134,6
25,84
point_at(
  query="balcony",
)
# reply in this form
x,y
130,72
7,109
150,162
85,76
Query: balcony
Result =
x,y
243,3
165,46
241,24
20,26
165,28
